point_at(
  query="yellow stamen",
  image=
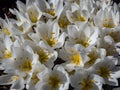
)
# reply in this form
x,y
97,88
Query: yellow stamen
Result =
x,y
80,18
108,23
26,66
93,56
54,81
7,53
84,42
76,59
87,84
7,32
51,41
104,72
63,22
33,15
35,78
43,56
51,12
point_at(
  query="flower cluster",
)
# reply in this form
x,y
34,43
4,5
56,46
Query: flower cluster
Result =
x,y
53,44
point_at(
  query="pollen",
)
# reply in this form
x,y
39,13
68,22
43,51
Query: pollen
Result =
x,y
80,18
76,59
6,31
93,56
51,41
7,53
26,66
87,84
35,78
63,22
104,72
108,23
50,11
54,81
43,56
33,15
84,42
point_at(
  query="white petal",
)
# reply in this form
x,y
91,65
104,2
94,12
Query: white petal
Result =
x,y
19,84
5,79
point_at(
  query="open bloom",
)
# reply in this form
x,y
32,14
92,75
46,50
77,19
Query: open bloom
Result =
x,y
50,35
50,9
19,67
106,69
83,80
5,49
53,80
29,12
73,55
84,35
108,19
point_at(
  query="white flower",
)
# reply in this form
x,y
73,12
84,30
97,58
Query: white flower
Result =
x,y
51,8
108,19
33,80
50,35
106,69
63,21
108,44
83,80
19,67
84,35
7,27
74,55
46,56
95,54
78,15
27,13
53,80
5,48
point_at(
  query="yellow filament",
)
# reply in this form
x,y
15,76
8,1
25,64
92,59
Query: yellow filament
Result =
x,y
7,32
43,56
63,22
26,66
54,81
87,84
104,72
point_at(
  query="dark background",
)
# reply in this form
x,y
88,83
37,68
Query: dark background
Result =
x,y
4,9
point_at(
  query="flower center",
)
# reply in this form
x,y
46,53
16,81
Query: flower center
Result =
x,y
78,17
26,66
76,59
33,15
35,78
93,56
108,23
63,22
7,53
43,56
104,72
86,84
6,31
54,82
50,11
51,41
84,42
